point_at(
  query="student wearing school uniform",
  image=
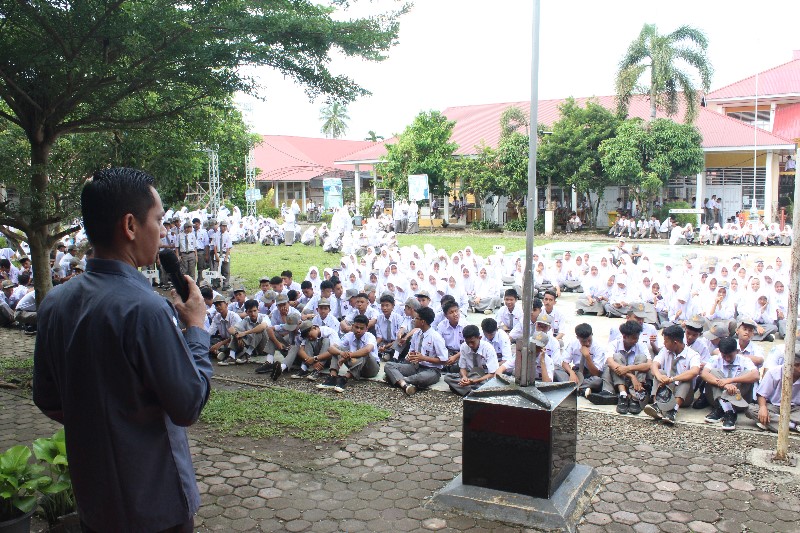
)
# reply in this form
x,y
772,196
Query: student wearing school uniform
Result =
x,y
509,314
358,351
674,368
497,338
477,363
251,333
582,361
221,329
314,349
386,328
730,377
452,331
626,371
544,363
766,412
426,357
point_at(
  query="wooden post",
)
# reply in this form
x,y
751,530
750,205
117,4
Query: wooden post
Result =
x,y
791,331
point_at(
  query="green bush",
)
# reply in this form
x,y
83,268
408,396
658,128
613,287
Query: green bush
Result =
x,y
663,212
520,224
367,202
483,225
326,217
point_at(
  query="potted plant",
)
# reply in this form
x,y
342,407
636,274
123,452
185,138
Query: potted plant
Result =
x,y
20,480
58,500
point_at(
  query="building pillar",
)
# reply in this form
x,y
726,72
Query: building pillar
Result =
x,y
357,180
700,193
574,199
277,193
303,193
769,185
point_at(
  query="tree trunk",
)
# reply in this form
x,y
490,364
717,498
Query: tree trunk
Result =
x,y
39,236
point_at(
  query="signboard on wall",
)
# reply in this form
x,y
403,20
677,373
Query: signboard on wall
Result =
x,y
332,192
418,187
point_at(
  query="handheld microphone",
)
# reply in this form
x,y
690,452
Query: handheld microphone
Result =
x,y
169,261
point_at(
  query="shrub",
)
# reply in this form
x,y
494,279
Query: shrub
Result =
x,y
663,212
483,225
519,224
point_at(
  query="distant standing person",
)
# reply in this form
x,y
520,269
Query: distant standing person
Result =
x,y
112,364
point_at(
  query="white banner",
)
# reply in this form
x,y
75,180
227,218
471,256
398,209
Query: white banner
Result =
x,y
417,187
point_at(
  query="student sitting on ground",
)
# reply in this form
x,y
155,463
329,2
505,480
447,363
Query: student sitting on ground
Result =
x,y
426,357
729,379
477,363
767,411
544,364
314,349
358,351
674,368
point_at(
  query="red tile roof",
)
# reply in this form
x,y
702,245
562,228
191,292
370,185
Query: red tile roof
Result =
x,y
781,80
478,123
787,121
285,158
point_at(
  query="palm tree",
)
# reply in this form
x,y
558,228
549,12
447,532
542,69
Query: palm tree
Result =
x,y
333,119
372,136
665,56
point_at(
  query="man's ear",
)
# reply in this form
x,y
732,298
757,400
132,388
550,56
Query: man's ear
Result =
x,y
129,226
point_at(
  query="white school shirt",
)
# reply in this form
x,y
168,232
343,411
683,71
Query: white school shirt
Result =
x,y
572,355
617,346
219,326
349,343
740,365
770,387
223,242
453,335
509,318
392,323
484,359
329,321
278,321
683,361
187,243
325,332
430,344
501,343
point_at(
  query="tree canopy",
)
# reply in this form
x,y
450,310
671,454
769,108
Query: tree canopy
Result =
x,y
69,67
424,147
334,119
646,155
570,153
665,56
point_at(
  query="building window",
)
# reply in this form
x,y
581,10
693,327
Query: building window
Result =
x,y
761,121
741,177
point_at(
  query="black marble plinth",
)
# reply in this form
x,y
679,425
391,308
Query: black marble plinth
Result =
x,y
520,439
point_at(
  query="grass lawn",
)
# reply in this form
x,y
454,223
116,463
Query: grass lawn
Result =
x,y
250,262
276,412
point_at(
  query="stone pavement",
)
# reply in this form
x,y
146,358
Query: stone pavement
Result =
x,y
381,479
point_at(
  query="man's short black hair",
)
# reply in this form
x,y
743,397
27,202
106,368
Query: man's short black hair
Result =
x,y
292,295
195,220
728,345
471,331
286,274
207,292
552,293
448,306
306,285
275,280
23,279
326,285
511,292
387,298
249,304
630,327
426,314
674,332
361,319
536,304
5,263
335,281
111,194
489,325
583,331
447,298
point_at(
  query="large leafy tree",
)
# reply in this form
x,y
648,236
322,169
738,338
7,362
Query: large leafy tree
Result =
x,y
665,59
646,155
570,154
424,147
334,119
72,67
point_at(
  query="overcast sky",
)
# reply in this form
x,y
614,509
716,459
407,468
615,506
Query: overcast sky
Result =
x,y
463,52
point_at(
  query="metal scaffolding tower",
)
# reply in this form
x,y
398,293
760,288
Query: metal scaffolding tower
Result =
x,y
250,183
214,187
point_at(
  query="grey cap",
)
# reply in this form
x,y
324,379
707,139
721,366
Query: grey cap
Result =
x,y
269,296
665,399
696,322
544,318
735,399
187,225
240,288
540,339
747,321
324,301
8,284
350,293
638,310
413,303
423,294
716,332
369,287
219,298
292,322
282,299
305,325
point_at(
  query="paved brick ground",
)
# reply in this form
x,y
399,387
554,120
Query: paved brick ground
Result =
x,y
381,479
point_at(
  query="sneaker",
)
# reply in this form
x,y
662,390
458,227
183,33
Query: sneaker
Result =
x,y
300,375
700,403
341,383
227,361
769,338
277,370
602,397
579,311
729,421
242,360
634,407
669,417
387,357
622,405
266,368
313,375
653,411
329,383
768,427
715,416
488,312
409,389
222,354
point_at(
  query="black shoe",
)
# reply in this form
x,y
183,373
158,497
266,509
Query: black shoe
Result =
x,y
769,338
579,311
729,421
700,403
266,368
634,407
329,383
409,389
341,383
300,375
653,411
715,416
669,417
277,370
602,398
622,405
313,375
